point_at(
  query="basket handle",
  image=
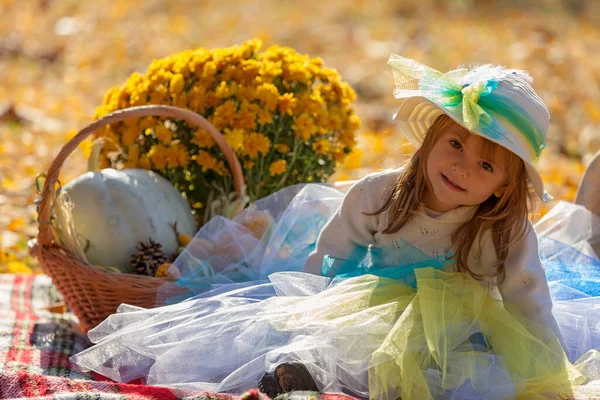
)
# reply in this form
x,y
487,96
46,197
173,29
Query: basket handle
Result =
x,y
45,206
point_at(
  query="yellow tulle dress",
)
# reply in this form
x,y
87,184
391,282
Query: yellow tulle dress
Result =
x,y
452,339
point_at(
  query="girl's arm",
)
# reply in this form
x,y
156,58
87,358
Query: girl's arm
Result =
x,y
525,283
349,227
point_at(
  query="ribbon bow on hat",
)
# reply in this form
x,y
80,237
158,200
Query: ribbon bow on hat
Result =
x,y
472,112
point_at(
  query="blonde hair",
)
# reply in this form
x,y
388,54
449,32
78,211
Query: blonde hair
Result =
x,y
506,216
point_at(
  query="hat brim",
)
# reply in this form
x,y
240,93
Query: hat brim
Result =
x,y
417,114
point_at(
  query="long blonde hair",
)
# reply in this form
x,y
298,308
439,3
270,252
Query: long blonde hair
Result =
x,y
505,216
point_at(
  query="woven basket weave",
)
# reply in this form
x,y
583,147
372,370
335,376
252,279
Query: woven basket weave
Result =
x,y
93,293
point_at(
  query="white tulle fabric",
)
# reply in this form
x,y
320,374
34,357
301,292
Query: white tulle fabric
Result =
x,y
251,309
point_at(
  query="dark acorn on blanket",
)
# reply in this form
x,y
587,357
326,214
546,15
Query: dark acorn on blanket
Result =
x,y
149,256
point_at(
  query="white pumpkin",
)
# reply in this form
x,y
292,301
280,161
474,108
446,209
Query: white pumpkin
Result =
x,y
113,210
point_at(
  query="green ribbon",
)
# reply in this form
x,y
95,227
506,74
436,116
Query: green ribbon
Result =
x,y
453,95
474,115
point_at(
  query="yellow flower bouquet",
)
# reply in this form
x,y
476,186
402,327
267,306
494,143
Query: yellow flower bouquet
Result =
x,y
288,118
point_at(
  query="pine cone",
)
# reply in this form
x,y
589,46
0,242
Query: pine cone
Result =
x,y
147,258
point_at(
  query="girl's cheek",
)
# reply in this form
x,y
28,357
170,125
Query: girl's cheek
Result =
x,y
449,154
440,151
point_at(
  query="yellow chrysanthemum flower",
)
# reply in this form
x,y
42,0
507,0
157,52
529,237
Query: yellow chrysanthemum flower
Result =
x,y
180,100
159,96
147,123
246,93
353,122
277,167
271,69
225,90
209,71
339,155
202,139
177,84
133,153
246,116
328,75
224,114
111,97
158,156
282,148
287,103
347,139
268,94
163,134
304,126
144,162
297,72
330,121
205,160
322,146
264,117
182,64
255,143
235,138
251,68
138,98
315,103
129,136
177,156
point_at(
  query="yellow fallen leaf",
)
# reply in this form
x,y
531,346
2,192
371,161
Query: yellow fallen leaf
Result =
x,y
592,110
31,171
16,224
15,267
86,147
353,160
9,184
56,308
569,195
70,135
5,257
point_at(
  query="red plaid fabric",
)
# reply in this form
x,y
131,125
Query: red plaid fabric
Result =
x,y
35,346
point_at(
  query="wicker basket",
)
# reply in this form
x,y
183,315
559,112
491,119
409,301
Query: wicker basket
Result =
x,y
92,293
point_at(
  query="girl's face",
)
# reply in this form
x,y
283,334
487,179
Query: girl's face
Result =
x,y
463,170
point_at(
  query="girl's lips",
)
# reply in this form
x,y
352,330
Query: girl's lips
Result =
x,y
451,184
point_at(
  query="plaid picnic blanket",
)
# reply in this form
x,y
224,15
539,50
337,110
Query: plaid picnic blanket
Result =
x,y
35,346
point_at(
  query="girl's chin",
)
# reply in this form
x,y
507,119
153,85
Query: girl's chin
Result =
x,y
441,206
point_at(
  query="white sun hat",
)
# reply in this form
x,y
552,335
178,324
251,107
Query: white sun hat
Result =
x,y
494,102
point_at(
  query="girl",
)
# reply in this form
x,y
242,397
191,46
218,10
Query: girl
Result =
x,y
459,191
426,282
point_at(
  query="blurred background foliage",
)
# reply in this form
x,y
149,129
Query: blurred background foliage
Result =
x,y
58,58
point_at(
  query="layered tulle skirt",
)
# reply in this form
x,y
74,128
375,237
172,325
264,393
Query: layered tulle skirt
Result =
x,y
413,331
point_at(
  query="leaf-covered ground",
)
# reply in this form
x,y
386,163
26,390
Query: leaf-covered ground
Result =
x,y
58,58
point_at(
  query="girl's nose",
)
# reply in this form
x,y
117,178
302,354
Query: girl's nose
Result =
x,y
459,169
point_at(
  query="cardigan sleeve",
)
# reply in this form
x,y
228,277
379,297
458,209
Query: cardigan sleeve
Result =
x,y
350,227
525,285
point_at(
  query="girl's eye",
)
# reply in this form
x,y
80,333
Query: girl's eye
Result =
x,y
455,144
487,166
